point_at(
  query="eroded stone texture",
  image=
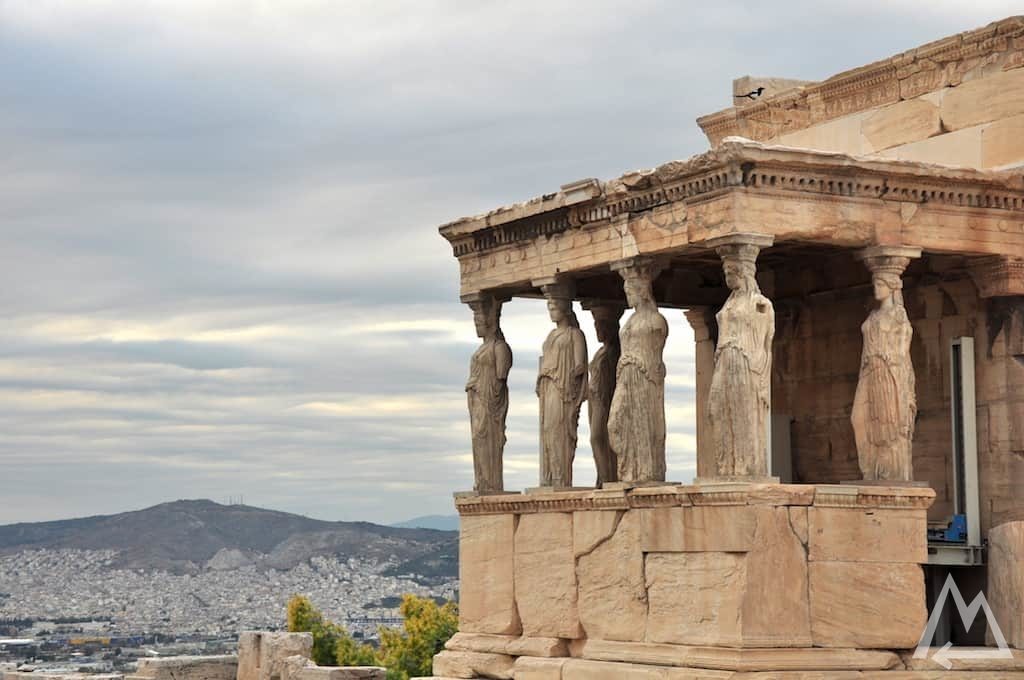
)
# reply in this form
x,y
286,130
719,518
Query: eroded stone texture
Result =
x,y
507,644
636,425
908,121
188,668
487,600
545,576
985,99
775,607
527,668
612,592
343,673
724,528
487,394
865,605
1002,143
561,387
601,388
1005,590
739,401
695,598
473,665
885,404
864,535
735,659
581,669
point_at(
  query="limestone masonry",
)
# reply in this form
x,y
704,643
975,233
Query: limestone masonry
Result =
x,y
850,255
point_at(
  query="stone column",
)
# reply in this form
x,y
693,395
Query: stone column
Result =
x,y
885,405
701,321
636,425
561,385
602,385
487,393
739,398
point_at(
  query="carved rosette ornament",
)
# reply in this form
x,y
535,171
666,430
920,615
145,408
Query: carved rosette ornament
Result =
x,y
636,424
602,386
885,405
487,394
739,400
561,386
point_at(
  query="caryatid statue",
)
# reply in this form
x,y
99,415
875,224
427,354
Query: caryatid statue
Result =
x,y
561,387
885,405
602,386
487,394
636,426
739,401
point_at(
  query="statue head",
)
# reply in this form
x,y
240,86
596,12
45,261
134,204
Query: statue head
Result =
x,y
739,262
886,285
486,316
560,309
606,321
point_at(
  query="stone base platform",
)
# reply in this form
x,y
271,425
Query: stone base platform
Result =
x,y
589,661
726,580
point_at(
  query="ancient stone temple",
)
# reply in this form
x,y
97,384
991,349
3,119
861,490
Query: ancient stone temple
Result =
x,y
850,256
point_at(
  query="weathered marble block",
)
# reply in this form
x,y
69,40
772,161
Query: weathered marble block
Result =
x,y
1005,590
740,566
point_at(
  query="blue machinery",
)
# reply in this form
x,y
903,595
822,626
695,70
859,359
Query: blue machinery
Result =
x,y
959,542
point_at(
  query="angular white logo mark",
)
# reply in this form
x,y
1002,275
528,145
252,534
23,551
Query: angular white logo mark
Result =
x,y
968,613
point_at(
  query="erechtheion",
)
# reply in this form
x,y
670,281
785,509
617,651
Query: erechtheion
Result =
x,y
850,256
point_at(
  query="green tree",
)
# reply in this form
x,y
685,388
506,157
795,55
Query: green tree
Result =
x,y
409,652
303,617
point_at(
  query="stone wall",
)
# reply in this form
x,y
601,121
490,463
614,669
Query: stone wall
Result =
x,y
955,101
977,124
820,307
615,575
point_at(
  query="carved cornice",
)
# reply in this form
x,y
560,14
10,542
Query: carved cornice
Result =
x,y
746,166
998,276
938,64
846,496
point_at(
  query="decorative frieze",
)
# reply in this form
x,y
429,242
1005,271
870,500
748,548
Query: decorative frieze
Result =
x,y
939,64
675,495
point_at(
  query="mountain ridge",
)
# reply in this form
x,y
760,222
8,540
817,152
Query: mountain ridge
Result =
x,y
185,536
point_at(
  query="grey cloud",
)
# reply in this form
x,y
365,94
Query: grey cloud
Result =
x,y
211,219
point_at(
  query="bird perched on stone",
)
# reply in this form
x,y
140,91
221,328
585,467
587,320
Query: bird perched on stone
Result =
x,y
753,94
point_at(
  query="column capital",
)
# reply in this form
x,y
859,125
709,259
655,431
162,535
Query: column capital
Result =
x,y
604,308
483,297
744,238
877,254
556,287
645,263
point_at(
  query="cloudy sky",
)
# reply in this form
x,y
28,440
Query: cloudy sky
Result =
x,y
220,273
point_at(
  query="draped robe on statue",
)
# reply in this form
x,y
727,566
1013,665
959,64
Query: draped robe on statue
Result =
x,y
636,427
487,395
884,406
739,398
561,385
599,402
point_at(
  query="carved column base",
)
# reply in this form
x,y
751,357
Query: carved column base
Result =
x,y
735,480
625,486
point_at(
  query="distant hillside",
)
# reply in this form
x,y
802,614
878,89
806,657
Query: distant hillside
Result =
x,y
190,535
439,522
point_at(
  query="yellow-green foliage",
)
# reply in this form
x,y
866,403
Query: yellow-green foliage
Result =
x,y
303,617
406,652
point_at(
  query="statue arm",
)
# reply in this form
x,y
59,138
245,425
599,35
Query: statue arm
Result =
x,y
502,361
580,367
